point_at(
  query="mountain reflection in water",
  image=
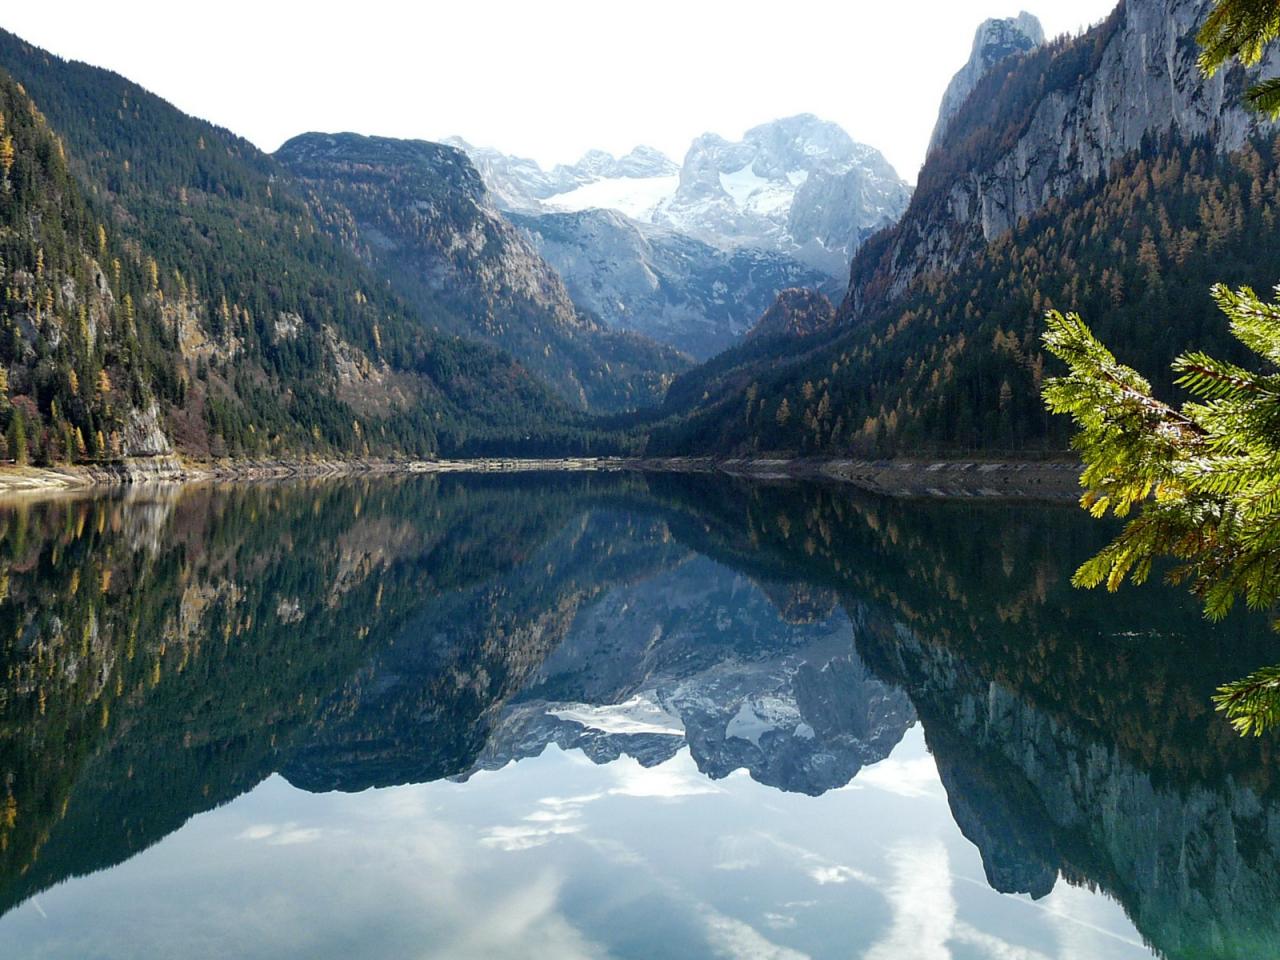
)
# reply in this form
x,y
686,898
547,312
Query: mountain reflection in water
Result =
x,y
166,653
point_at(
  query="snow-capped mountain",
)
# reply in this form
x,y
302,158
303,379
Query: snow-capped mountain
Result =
x,y
661,284
799,186
419,212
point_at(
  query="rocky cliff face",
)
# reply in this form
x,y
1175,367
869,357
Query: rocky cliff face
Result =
x,y
420,213
1055,121
995,41
659,283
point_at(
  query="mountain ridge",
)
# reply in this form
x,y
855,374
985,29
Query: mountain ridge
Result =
x,y
798,185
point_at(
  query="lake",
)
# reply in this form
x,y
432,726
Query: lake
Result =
x,y
613,715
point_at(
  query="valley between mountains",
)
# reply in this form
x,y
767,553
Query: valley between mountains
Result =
x,y
171,290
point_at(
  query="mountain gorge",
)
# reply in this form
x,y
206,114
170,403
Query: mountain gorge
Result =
x,y
689,255
418,213
661,283
182,292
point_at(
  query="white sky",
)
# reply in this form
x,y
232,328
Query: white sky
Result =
x,y
541,78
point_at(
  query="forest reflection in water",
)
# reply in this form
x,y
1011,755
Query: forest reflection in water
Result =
x,y
798,660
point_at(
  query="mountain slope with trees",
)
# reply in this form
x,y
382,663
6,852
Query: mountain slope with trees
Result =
x,y
84,351
937,348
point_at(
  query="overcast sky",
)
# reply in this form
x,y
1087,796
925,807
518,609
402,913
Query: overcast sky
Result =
x,y
541,78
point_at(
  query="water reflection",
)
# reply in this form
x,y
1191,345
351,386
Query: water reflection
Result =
x,y
167,653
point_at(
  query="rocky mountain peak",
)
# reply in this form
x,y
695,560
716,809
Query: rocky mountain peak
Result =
x,y
596,165
996,39
645,161
802,142
420,212
800,185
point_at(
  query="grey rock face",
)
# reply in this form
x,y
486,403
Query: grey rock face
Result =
x,y
659,283
995,41
1132,77
644,162
143,435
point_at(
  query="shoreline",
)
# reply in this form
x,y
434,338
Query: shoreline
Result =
x,y
938,479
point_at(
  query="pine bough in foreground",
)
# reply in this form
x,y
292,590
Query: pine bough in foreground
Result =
x,y
1205,477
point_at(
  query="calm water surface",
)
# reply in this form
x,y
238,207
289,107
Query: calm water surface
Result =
x,y
598,716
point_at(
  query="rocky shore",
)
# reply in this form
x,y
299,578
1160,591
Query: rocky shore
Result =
x,y
1049,480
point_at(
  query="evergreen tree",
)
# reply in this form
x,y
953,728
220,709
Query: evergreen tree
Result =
x,y
17,438
1206,476
1241,30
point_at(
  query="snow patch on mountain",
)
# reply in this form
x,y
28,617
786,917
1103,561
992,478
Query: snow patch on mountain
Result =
x,y
519,183
637,715
758,194
634,197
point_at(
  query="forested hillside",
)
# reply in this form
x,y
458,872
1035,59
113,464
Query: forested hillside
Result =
x,y
217,295
84,350
170,287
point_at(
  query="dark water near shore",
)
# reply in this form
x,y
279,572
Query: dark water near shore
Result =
x,y
587,716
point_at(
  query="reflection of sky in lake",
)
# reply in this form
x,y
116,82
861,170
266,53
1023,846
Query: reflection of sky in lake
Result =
x,y
646,719
558,857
